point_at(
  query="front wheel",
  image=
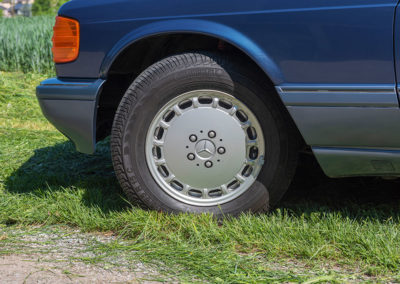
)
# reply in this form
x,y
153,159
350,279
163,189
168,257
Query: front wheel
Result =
x,y
194,133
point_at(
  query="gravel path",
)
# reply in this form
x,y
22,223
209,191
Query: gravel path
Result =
x,y
32,269
55,255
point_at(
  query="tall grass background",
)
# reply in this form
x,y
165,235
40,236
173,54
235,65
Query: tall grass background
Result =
x,y
25,44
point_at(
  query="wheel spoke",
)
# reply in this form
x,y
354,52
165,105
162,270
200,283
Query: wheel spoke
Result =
x,y
164,124
233,110
245,125
160,162
185,189
215,102
224,189
170,178
240,178
196,102
177,110
158,143
251,143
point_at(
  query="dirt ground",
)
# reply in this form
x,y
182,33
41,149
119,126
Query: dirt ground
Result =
x,y
32,269
58,256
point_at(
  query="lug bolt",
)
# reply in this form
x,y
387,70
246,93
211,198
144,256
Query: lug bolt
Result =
x,y
191,156
208,164
221,150
193,138
212,134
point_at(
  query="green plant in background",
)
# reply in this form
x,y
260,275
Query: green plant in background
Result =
x,y
25,44
41,7
47,7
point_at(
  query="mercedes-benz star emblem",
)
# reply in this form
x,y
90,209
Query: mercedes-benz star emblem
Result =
x,y
205,149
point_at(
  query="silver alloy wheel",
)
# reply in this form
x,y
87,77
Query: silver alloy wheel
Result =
x,y
205,148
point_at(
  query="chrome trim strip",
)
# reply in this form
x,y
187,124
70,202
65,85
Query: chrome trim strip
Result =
x,y
380,95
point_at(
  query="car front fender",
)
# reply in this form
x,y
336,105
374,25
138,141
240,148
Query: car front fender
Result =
x,y
202,27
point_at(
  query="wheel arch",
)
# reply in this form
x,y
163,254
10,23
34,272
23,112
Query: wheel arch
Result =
x,y
195,27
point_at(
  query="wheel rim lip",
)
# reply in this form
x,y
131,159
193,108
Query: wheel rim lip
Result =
x,y
195,201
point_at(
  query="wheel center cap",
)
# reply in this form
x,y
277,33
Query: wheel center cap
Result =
x,y
205,149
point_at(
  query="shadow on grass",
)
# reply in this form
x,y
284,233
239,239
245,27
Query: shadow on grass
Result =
x,y
358,198
60,166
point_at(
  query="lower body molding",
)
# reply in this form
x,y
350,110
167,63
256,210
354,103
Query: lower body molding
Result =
x,y
343,162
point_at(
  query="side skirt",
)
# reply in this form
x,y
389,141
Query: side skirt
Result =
x,y
353,130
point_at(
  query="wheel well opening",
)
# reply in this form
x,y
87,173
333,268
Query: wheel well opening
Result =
x,y
142,54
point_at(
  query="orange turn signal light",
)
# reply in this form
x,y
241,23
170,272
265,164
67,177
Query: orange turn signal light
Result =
x,y
65,40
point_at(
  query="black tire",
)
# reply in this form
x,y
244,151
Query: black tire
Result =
x,y
182,73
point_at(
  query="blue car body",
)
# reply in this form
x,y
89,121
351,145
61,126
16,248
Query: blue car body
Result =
x,y
335,65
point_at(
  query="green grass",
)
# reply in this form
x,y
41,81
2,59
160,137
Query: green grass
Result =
x,y
324,231
25,44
